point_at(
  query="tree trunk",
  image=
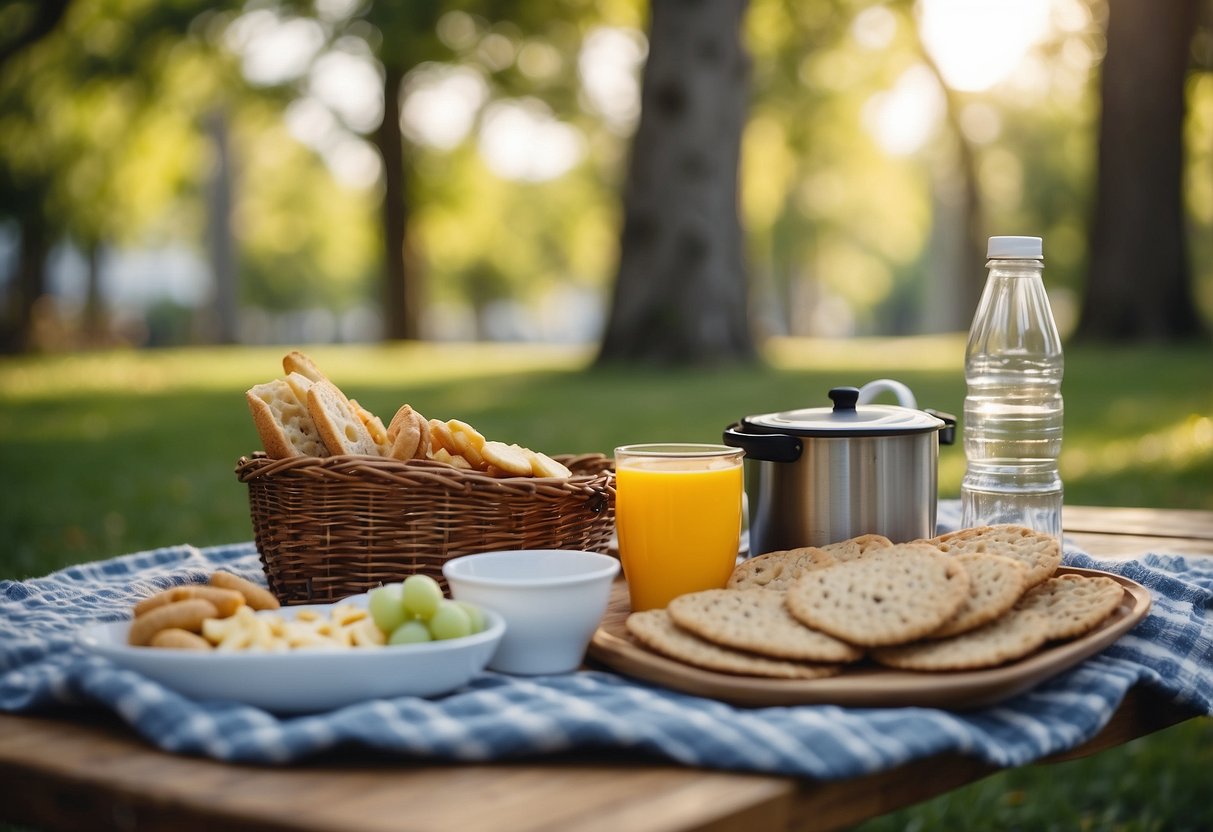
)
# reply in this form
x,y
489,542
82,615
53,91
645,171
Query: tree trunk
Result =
x,y
681,294
957,246
1139,283
224,326
95,323
29,285
400,293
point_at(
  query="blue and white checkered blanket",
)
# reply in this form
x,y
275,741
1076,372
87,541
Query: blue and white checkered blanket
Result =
x,y
498,717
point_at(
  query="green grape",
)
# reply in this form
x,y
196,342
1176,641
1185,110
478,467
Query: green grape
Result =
x,y
410,632
386,605
450,621
474,613
422,595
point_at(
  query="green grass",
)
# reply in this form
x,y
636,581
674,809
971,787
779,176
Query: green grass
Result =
x,y
108,453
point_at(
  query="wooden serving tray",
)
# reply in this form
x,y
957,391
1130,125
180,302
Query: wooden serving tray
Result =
x,y
865,684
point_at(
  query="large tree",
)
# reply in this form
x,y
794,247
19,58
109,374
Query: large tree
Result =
x,y
681,290
1139,283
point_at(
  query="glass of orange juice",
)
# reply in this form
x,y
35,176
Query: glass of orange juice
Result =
x,y
678,515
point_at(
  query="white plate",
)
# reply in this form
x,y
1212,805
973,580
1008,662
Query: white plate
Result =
x,y
304,681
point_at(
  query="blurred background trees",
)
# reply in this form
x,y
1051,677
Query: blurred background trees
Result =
x,y
345,170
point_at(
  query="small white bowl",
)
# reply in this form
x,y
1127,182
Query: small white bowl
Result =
x,y
551,600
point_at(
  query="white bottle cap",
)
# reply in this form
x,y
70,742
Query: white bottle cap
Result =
x,y
1015,248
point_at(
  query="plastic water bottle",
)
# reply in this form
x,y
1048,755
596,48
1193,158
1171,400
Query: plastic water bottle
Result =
x,y
1013,407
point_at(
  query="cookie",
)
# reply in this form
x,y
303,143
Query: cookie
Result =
x,y
756,620
1041,553
1073,604
655,630
1013,636
895,595
778,570
995,584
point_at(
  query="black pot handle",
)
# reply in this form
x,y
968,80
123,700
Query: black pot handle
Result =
x,y
768,447
947,434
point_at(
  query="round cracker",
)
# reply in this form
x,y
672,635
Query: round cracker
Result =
x,y
507,458
655,630
1073,604
892,596
441,438
995,584
758,621
1040,552
857,546
543,465
468,443
1005,639
778,570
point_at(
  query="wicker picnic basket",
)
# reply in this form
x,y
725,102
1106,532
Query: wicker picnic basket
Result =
x,y
335,526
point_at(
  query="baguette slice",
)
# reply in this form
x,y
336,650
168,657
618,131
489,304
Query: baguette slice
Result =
x,y
337,422
283,422
297,362
374,426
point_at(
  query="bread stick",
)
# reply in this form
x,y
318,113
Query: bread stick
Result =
x,y
256,597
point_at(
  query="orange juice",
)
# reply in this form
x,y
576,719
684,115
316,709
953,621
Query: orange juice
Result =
x,y
679,520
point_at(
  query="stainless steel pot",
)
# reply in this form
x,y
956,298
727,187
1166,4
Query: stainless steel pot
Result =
x,y
821,475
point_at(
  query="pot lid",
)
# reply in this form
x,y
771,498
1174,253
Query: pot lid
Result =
x,y
847,418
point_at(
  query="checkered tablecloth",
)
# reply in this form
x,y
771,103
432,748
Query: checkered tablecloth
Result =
x,y
42,670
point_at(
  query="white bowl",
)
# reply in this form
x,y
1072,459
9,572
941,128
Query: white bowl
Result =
x,y
551,600
305,681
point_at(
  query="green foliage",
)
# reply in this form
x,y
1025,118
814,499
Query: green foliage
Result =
x,y
305,239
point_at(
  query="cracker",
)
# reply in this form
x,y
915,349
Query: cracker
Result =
x,y
1005,639
995,584
778,570
1073,604
895,595
756,620
337,422
1041,553
507,458
655,630
543,465
441,438
856,546
467,442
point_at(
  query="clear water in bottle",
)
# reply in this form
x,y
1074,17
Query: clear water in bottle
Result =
x,y
1013,408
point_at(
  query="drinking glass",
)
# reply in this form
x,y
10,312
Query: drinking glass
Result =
x,y
678,514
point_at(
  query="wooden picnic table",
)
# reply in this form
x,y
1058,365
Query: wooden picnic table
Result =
x,y
89,771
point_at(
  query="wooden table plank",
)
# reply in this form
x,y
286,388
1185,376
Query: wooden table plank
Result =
x,y
90,771
1149,522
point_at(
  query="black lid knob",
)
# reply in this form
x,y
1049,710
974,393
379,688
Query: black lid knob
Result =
x,y
844,398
